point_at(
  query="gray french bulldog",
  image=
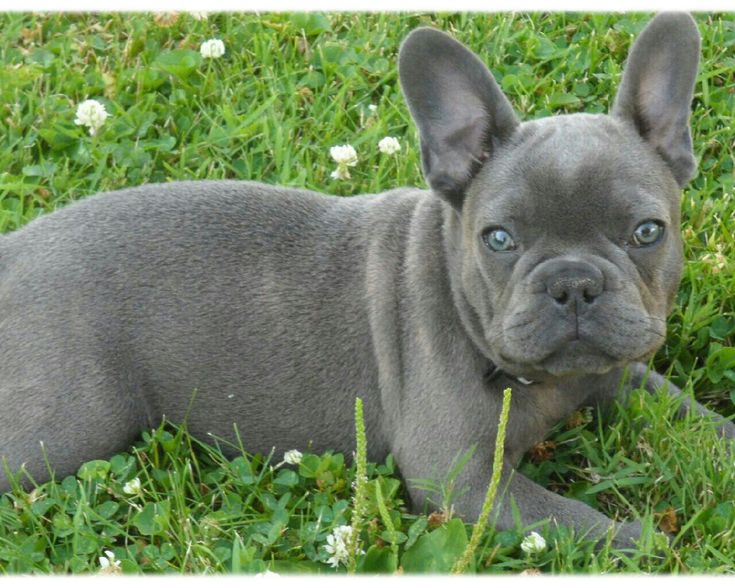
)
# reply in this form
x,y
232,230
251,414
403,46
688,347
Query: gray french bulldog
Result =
x,y
545,258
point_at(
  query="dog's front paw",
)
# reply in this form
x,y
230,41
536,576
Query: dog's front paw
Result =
x,y
630,536
626,535
727,430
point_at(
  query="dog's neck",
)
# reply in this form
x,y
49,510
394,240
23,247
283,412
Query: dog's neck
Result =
x,y
451,243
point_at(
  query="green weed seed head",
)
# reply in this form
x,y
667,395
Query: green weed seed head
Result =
x,y
487,506
360,496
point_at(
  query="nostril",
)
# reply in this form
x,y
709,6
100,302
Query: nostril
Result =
x,y
572,281
562,298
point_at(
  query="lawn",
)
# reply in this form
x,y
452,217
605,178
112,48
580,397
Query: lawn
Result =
x,y
287,89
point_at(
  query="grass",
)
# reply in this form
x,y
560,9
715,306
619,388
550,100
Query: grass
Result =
x,y
289,87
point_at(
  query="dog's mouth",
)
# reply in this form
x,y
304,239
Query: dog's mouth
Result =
x,y
578,357
536,342
575,357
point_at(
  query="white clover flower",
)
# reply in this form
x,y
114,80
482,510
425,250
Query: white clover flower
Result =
x,y
212,49
199,14
108,564
341,173
132,487
267,574
372,108
344,155
337,544
389,145
293,457
533,543
92,114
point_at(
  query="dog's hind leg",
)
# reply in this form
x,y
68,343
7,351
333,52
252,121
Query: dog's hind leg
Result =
x,y
68,375
64,408
63,427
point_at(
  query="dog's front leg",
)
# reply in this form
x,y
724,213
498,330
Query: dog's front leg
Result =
x,y
638,375
427,453
536,503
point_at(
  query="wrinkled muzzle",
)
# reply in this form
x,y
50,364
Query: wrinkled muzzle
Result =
x,y
573,315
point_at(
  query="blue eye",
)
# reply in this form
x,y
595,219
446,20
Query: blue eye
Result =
x,y
499,240
648,232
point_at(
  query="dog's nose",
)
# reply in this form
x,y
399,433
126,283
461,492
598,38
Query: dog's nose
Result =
x,y
574,282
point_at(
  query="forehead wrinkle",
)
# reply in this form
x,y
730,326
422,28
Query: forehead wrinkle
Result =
x,y
589,169
570,194
573,164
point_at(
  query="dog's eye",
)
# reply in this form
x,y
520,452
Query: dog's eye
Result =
x,y
648,232
498,240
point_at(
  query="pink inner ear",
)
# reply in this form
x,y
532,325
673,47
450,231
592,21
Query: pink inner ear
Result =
x,y
654,91
660,108
469,136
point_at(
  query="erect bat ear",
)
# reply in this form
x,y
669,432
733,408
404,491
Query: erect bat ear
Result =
x,y
460,111
656,92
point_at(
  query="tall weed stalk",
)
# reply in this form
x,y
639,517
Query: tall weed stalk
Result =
x,y
360,499
487,506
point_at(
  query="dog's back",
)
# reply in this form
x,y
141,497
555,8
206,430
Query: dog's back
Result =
x,y
251,295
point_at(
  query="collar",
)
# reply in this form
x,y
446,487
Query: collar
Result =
x,y
494,372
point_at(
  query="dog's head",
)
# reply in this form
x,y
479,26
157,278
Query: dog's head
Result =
x,y
566,238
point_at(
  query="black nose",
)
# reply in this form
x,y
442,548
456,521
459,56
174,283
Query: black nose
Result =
x,y
573,282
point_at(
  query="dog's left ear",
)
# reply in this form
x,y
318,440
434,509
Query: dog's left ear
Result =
x,y
656,91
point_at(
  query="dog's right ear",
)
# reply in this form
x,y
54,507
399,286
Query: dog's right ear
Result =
x,y
458,107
